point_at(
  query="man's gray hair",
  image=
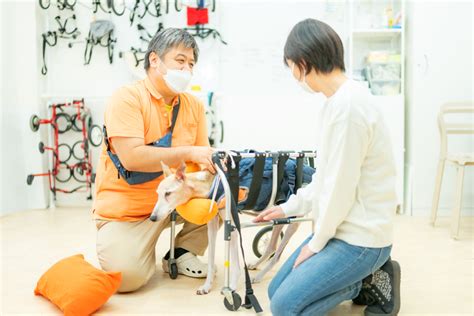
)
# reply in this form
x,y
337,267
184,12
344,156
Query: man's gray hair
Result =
x,y
167,39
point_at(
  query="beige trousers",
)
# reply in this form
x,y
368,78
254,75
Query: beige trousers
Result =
x,y
129,247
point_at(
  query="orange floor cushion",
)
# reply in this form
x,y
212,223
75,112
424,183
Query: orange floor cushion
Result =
x,y
77,287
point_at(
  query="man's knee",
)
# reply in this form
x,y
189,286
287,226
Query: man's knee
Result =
x,y
134,274
133,279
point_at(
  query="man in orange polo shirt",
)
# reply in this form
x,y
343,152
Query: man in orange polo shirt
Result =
x,y
146,123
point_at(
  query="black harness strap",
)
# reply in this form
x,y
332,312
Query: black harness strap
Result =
x,y
156,5
256,184
98,4
203,32
250,298
282,159
133,12
175,115
63,28
44,69
233,177
64,4
138,60
173,123
299,171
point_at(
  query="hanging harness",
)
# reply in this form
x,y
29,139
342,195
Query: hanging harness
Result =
x,y
100,30
65,30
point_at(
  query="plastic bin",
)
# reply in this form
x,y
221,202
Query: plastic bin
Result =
x,y
385,87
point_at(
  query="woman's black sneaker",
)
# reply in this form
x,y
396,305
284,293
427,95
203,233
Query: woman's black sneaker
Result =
x,y
384,290
365,295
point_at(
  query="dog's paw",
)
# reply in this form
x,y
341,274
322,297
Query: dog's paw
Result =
x,y
252,266
256,279
203,290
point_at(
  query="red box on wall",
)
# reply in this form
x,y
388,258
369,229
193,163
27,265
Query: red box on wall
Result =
x,y
197,16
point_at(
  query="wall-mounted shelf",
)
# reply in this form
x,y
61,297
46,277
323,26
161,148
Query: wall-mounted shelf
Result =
x,y
376,33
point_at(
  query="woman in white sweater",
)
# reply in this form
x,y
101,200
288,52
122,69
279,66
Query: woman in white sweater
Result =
x,y
352,194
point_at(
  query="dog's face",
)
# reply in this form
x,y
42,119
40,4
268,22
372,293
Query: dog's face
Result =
x,y
173,190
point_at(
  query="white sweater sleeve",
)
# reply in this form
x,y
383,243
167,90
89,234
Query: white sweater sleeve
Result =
x,y
346,147
301,202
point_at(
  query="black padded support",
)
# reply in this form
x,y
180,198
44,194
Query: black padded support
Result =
x,y
282,159
299,172
233,176
256,184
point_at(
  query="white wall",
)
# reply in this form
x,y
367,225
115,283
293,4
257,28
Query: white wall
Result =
x,y
263,107
19,99
439,69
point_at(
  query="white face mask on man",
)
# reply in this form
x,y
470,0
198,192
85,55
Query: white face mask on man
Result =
x,y
303,82
177,80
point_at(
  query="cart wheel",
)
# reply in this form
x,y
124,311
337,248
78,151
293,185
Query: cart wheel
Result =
x,y
34,123
173,271
79,171
63,173
261,240
29,179
41,147
64,152
237,302
78,150
77,124
64,123
88,121
95,135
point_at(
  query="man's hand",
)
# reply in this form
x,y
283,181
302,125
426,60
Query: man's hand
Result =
x,y
269,214
304,255
202,155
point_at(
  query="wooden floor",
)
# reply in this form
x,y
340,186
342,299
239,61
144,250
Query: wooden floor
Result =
x,y
437,272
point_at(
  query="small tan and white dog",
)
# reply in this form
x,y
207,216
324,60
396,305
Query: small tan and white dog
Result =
x,y
178,188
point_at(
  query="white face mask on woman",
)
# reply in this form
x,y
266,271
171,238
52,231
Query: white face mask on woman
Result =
x,y
177,80
303,83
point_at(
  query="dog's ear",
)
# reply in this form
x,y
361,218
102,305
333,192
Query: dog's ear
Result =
x,y
180,172
166,170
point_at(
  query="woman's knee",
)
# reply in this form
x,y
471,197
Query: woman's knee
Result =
x,y
280,304
272,288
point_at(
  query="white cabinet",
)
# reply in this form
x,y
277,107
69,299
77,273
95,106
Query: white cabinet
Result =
x,y
376,57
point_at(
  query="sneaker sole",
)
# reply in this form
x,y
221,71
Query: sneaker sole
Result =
x,y
164,266
397,275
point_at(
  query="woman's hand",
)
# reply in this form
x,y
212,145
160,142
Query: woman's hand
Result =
x,y
304,255
269,214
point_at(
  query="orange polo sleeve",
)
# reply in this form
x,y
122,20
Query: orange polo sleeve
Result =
x,y
123,117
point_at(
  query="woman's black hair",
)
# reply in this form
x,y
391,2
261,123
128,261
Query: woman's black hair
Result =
x,y
313,44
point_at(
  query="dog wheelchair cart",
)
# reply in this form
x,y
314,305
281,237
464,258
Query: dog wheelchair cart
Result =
x,y
230,182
